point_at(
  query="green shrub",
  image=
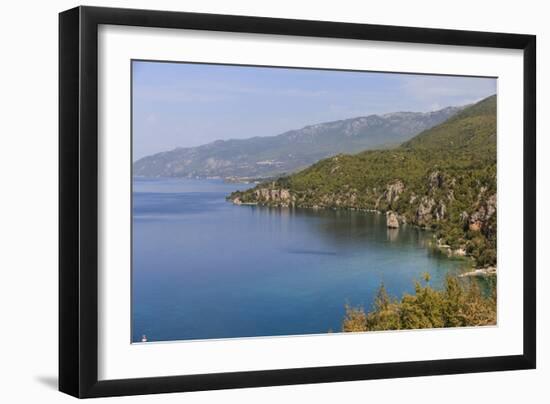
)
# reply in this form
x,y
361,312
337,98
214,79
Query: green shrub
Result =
x,y
459,304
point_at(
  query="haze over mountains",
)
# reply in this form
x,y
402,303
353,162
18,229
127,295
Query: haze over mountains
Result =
x,y
290,151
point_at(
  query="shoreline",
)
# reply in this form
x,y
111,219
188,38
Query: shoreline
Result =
x,y
480,272
459,253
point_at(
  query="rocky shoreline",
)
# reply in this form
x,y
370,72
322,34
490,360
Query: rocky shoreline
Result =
x,y
448,250
284,199
480,272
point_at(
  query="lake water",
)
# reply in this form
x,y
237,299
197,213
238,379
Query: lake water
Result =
x,y
205,268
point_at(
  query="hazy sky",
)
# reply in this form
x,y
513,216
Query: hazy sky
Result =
x,y
181,104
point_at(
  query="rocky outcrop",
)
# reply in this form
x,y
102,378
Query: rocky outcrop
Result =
x,y
447,250
440,211
266,196
390,195
423,216
433,206
392,220
483,272
459,252
436,180
479,219
419,210
393,191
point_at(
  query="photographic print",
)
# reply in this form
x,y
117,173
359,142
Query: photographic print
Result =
x,y
271,201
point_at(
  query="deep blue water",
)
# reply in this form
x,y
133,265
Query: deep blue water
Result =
x,y
205,268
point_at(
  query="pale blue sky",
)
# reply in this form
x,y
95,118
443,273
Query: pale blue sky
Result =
x,y
182,104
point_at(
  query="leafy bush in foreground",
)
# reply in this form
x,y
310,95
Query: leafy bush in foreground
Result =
x,y
459,304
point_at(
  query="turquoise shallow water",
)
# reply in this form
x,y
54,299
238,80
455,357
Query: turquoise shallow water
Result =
x,y
205,268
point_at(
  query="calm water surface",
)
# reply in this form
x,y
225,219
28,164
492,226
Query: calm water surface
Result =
x,y
205,268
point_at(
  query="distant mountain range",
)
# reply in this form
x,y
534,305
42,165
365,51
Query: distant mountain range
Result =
x,y
268,156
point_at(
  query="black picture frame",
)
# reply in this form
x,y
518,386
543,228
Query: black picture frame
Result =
x,y
78,201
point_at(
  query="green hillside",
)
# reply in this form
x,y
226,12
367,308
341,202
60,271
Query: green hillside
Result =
x,y
472,131
443,179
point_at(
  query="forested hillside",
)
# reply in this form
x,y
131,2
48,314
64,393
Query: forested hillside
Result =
x,y
443,179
